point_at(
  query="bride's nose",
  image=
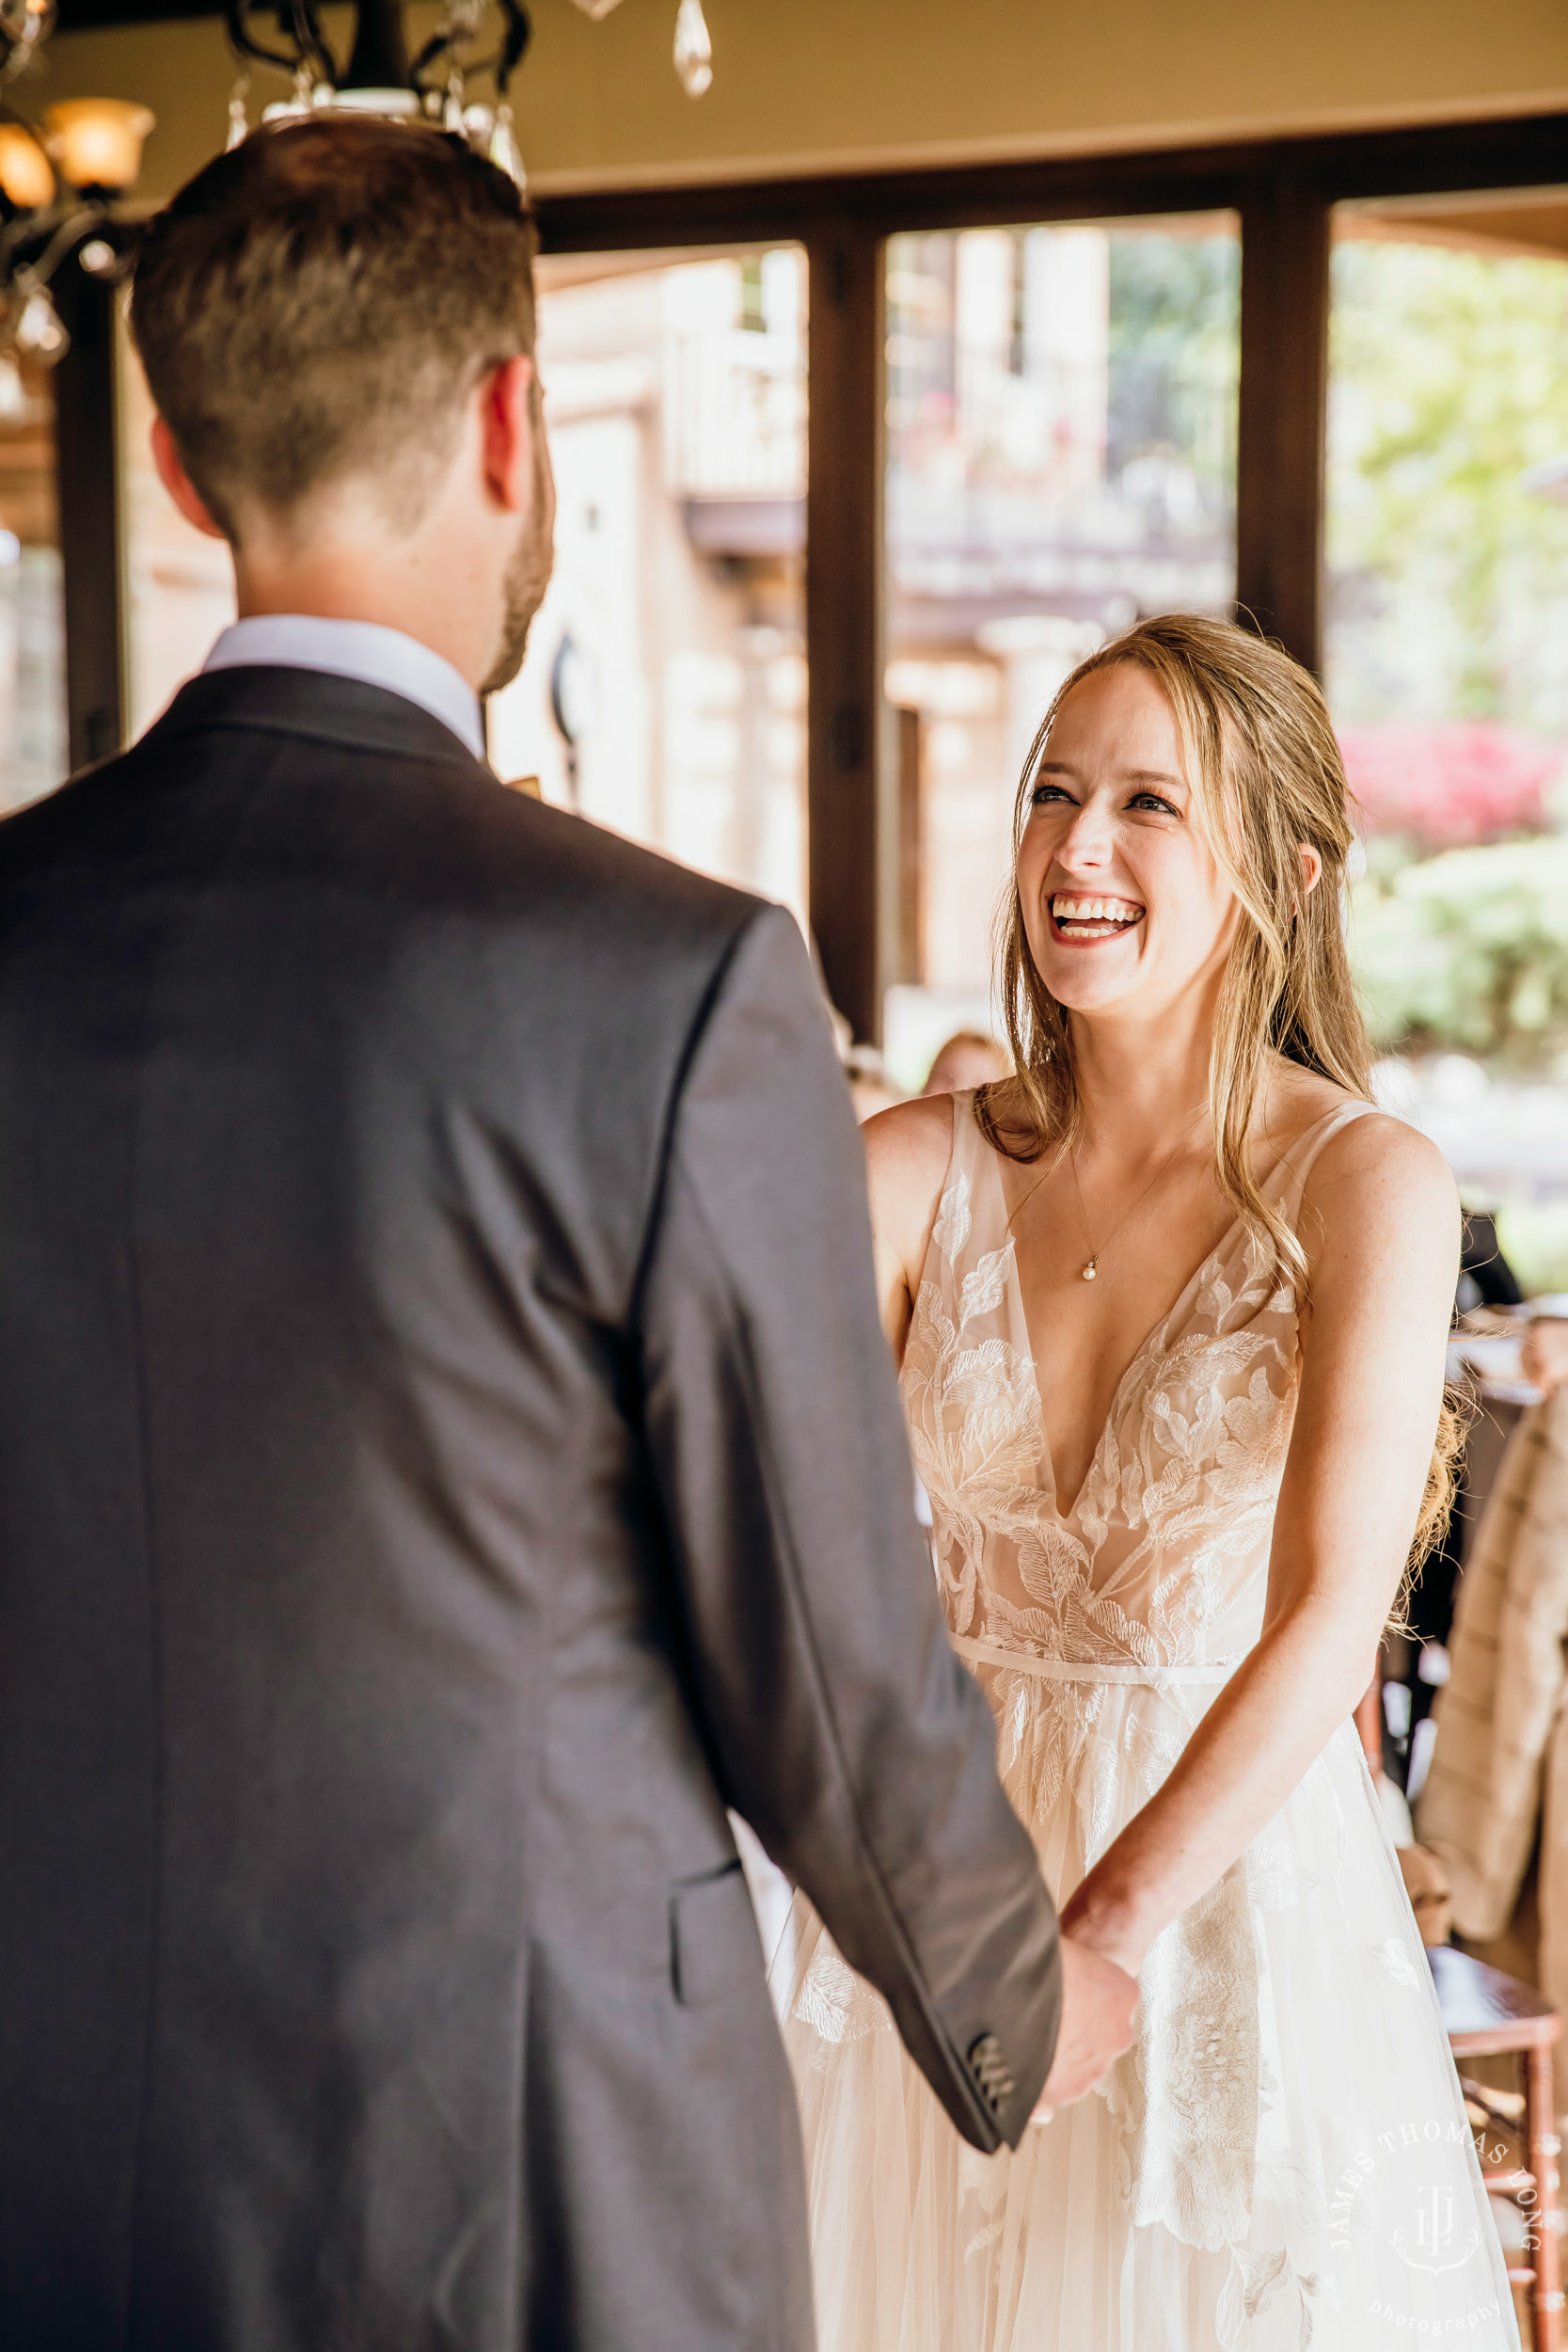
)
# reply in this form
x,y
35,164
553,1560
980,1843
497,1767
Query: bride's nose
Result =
x,y
1089,844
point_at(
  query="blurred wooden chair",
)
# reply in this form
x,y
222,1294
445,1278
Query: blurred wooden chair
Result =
x,y
1487,2015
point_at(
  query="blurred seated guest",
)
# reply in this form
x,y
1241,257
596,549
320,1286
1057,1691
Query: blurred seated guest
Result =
x,y
1426,1882
1543,1357
1500,1766
969,1058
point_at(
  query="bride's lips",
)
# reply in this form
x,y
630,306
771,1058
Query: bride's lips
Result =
x,y
1085,918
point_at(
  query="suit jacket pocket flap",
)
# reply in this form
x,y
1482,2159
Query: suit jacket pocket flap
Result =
x,y
714,1947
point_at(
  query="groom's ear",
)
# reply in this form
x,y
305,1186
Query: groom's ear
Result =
x,y
510,418
177,482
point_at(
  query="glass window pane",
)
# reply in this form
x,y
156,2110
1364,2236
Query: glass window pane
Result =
x,y
1061,459
1447,675
33,755
664,688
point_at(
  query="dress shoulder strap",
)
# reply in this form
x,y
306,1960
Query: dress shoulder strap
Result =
x,y
1295,1166
981,1163
971,1216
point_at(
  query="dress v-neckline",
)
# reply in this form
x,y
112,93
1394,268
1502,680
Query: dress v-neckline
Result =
x,y
1156,1330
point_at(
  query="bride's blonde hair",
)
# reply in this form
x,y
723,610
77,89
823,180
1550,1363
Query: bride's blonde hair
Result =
x,y
1259,752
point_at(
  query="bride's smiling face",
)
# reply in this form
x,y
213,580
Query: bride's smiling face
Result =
x,y
1124,900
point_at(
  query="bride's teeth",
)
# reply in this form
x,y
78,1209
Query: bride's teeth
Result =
x,y
1116,910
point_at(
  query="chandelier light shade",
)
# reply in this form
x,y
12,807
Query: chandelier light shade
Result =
x,y
59,186
97,142
27,174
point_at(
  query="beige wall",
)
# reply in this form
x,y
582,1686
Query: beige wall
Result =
x,y
812,84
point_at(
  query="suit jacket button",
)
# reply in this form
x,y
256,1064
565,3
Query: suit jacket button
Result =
x,y
993,2076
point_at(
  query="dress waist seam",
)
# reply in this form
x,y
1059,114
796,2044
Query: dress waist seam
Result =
x,y
1211,1671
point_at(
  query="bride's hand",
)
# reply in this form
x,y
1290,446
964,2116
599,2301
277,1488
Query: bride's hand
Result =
x,y
1097,1917
1098,2003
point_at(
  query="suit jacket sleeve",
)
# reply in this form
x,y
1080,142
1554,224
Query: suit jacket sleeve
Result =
x,y
842,1725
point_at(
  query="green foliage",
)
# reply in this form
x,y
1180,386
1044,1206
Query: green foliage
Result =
x,y
1468,951
1534,1239
1175,297
1173,347
1451,578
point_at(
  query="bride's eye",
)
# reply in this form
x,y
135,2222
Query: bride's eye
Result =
x,y
1044,792
1157,802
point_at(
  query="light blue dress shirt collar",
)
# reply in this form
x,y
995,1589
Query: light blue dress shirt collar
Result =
x,y
356,649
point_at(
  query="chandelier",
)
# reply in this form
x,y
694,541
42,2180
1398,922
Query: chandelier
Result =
x,y
476,42
62,179
59,182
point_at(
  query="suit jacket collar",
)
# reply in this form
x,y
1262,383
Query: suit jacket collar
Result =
x,y
318,705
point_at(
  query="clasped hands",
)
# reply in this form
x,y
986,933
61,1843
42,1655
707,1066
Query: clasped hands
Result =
x,y
1099,1997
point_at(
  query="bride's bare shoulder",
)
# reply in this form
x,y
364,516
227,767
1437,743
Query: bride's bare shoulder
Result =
x,y
1381,1160
1374,1179
907,1150
1299,1099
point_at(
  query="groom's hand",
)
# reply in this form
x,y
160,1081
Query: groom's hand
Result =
x,y
1098,2002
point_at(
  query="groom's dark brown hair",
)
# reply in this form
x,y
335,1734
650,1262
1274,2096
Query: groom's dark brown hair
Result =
x,y
319,302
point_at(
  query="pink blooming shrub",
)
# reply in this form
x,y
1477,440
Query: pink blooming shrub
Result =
x,y
1444,787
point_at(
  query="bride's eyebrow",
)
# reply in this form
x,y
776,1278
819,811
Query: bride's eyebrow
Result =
x,y
1130,776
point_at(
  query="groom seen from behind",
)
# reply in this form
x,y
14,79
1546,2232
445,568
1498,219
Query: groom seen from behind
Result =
x,y
448,1453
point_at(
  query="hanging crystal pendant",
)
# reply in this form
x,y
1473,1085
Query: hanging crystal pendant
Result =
x,y
309,93
239,122
597,10
40,333
504,151
693,49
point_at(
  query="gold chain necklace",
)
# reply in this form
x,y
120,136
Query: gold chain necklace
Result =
x,y
1091,1269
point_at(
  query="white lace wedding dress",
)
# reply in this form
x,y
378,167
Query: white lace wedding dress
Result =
x,y
1282,2159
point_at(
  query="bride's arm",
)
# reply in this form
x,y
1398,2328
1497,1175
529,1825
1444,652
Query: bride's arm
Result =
x,y
907,1151
1381,1226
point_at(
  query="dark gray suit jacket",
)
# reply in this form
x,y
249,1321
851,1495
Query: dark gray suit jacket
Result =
x,y
447,1455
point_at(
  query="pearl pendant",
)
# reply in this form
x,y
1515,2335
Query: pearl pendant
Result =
x,y
1089,1271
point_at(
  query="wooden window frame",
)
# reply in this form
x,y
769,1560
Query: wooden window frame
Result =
x,y
92,540
1284,192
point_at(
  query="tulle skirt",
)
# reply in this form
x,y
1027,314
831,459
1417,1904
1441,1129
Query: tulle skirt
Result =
x,y
1282,2160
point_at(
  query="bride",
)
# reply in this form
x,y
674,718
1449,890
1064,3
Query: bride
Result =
x,y
1171,1309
